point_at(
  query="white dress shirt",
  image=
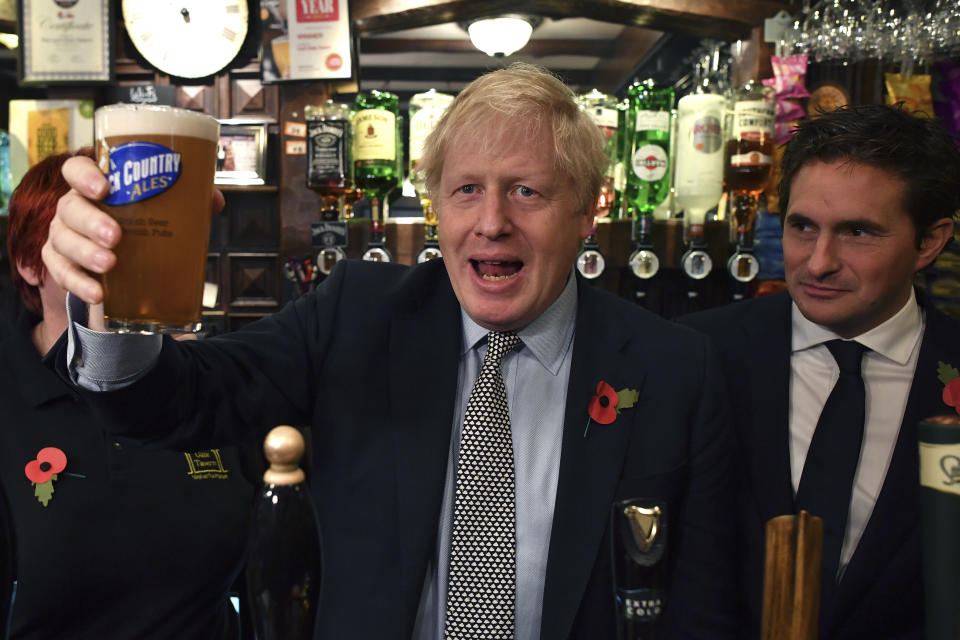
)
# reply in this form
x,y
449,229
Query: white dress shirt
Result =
x,y
888,370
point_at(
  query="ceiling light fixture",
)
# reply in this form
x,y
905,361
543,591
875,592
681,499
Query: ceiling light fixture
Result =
x,y
501,36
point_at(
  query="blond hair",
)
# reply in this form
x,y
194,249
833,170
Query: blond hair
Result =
x,y
525,98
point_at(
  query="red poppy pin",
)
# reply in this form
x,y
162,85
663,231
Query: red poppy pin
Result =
x,y
43,471
950,378
606,404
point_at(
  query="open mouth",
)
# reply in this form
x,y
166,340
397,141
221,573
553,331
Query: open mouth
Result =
x,y
492,270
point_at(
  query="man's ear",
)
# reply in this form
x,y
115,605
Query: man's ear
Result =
x,y
933,241
29,274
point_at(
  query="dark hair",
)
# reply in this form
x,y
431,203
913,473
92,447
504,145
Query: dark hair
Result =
x,y
916,149
32,206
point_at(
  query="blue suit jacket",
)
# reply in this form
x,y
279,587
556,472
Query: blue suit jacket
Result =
x,y
881,592
370,362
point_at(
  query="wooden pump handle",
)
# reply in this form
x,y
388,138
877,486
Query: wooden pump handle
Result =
x,y
283,448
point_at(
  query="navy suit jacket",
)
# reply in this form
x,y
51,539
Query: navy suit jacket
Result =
x,y
370,362
881,592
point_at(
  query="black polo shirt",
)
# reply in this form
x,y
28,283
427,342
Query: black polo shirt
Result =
x,y
133,542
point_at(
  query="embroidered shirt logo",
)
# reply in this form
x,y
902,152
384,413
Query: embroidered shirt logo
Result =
x,y
206,465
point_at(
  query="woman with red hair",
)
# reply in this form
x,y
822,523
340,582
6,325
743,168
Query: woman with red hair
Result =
x,y
112,541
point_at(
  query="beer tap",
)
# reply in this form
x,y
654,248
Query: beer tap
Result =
x,y
590,262
284,560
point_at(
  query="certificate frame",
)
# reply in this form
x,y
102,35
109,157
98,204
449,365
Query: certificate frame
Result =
x,y
306,40
69,42
241,154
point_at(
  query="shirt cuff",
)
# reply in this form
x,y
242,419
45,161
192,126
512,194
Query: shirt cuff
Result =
x,y
103,360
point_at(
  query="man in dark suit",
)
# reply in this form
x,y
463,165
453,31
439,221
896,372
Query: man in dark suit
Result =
x,y
868,196
382,360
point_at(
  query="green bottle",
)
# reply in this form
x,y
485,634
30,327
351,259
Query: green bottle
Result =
x,y
648,153
375,162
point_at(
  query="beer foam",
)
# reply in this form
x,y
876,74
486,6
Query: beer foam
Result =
x,y
149,119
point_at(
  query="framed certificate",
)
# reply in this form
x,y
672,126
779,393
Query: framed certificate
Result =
x,y
305,40
241,154
65,42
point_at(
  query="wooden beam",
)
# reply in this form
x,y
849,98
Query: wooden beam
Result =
x,y
631,45
726,19
428,75
534,48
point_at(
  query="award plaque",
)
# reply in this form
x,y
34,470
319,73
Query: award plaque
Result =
x,y
639,542
65,42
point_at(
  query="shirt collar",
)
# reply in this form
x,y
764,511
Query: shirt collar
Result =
x,y
548,337
894,339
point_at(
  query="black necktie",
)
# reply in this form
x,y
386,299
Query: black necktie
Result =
x,y
482,581
826,483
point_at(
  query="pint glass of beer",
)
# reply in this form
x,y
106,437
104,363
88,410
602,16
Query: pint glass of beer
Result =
x,y
160,162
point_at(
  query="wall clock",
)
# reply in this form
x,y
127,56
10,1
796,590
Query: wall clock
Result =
x,y
187,38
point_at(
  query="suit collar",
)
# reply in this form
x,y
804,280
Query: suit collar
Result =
x,y
589,466
425,336
767,432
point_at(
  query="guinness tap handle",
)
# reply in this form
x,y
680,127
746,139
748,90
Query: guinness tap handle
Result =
x,y
639,539
939,442
284,554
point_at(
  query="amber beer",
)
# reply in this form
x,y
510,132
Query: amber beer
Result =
x,y
160,162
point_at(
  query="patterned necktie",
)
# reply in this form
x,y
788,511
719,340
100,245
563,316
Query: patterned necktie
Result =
x,y
826,483
482,582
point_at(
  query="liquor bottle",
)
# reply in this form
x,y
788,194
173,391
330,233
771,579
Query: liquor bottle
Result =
x,y
748,158
648,172
699,166
648,169
638,552
328,148
425,111
375,146
284,558
603,110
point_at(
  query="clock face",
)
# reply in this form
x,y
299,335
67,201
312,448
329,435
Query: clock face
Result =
x,y
187,38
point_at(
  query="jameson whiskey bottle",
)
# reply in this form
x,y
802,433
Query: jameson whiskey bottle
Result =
x,y
603,110
328,148
425,111
375,146
376,248
748,158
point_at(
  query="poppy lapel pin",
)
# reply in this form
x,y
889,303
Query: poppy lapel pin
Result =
x,y
606,404
950,378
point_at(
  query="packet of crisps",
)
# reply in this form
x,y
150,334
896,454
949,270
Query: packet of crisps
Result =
x,y
789,74
913,91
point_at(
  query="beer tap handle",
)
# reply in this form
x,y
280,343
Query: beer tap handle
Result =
x,y
284,556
